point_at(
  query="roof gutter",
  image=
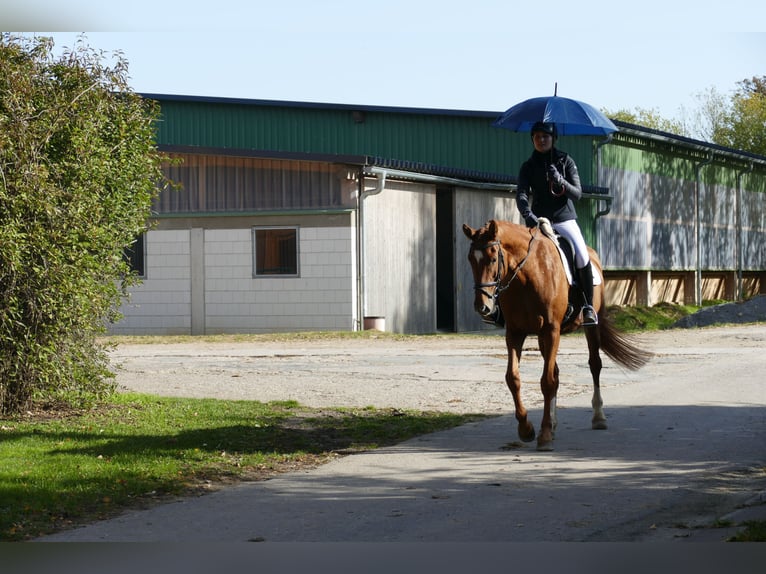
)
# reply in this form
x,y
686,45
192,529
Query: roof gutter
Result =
x,y
437,179
380,185
720,151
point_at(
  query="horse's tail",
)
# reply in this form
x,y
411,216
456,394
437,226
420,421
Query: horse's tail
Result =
x,y
619,347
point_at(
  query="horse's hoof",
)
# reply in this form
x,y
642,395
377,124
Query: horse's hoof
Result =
x,y
545,440
598,425
527,434
544,446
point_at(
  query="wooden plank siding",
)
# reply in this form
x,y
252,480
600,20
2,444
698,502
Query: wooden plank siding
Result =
x,y
475,209
399,230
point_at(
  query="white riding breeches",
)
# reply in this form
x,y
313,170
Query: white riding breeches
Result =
x,y
571,231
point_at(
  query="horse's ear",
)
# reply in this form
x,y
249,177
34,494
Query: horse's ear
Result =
x,y
468,231
492,227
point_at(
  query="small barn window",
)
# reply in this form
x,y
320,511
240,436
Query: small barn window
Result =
x,y
275,251
135,255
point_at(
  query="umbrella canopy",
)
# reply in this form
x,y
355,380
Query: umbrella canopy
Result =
x,y
572,117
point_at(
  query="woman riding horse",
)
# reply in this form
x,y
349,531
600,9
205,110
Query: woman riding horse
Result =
x,y
550,178
520,271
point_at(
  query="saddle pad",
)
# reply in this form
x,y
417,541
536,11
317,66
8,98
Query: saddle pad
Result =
x,y
596,274
547,230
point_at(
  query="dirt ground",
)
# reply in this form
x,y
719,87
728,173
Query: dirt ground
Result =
x,y
453,373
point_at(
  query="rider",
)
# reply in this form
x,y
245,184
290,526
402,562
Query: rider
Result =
x,y
550,178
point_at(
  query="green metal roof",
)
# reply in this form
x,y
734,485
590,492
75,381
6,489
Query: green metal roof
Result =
x,y
462,141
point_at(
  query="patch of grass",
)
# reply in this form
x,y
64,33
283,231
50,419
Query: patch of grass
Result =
x,y
660,316
755,531
63,468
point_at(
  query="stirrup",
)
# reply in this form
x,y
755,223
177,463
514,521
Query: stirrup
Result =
x,y
589,316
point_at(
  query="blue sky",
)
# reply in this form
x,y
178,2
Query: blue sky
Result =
x,y
469,55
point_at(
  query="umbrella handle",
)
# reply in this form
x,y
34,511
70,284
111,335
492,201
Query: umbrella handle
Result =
x,y
553,193
550,183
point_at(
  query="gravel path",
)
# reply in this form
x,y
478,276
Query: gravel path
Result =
x,y
454,373
683,455
751,311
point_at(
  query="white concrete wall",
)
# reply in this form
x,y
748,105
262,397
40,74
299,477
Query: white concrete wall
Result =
x,y
322,297
161,305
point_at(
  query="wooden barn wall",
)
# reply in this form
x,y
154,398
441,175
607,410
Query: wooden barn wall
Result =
x,y
475,208
399,227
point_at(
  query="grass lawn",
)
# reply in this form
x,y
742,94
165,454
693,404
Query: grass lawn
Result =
x,y
61,468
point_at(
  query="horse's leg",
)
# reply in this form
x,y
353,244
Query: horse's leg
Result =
x,y
544,352
554,418
549,384
515,343
598,421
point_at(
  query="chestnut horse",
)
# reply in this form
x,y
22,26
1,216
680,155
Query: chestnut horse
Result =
x,y
520,279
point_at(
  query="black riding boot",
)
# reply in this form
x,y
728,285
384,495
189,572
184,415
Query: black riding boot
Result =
x,y
585,277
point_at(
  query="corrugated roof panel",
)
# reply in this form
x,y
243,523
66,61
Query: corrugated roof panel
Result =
x,y
465,141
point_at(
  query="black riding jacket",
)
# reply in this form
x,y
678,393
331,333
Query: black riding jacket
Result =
x,y
533,185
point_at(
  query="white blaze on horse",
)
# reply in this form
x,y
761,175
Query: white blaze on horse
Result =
x,y
522,282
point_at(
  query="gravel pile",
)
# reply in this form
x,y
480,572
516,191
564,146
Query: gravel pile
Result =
x,y
751,311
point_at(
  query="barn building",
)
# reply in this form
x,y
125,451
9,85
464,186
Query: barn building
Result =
x,y
296,216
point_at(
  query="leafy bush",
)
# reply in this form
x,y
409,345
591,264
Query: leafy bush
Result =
x,y
78,172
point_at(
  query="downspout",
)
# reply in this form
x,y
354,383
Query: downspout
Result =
x,y
738,223
599,145
698,227
380,176
607,200
380,185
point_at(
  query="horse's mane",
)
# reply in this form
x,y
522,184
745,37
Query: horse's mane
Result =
x,y
500,229
513,234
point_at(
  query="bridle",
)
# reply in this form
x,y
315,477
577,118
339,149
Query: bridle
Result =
x,y
481,287
498,285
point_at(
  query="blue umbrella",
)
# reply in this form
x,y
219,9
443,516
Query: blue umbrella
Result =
x,y
572,117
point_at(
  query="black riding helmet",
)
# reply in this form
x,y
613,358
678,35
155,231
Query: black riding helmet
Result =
x,y
545,127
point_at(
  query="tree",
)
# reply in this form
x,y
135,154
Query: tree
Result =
x,y
743,125
737,122
78,172
649,118
711,113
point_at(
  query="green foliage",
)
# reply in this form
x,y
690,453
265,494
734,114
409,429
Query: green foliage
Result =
x,y
744,124
753,531
649,118
738,121
78,172
642,318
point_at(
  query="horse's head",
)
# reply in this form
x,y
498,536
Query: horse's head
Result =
x,y
486,258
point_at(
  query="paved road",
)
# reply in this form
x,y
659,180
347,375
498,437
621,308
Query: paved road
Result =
x,y
685,447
